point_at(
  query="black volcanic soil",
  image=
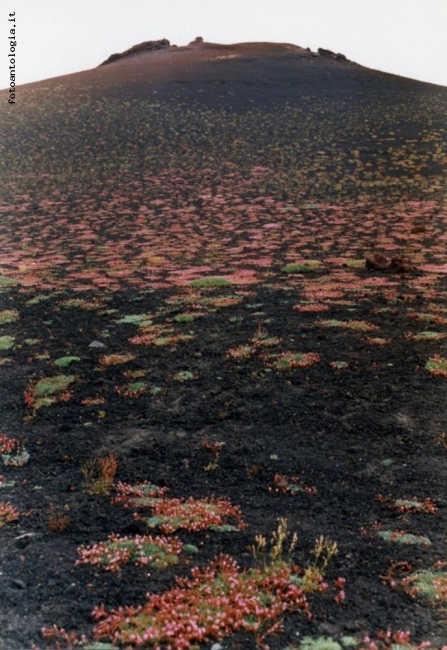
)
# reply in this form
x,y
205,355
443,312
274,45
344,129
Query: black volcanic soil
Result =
x,y
375,429
353,436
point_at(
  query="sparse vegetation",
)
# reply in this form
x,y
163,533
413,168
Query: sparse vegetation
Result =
x,y
305,267
8,513
99,474
200,283
6,342
198,257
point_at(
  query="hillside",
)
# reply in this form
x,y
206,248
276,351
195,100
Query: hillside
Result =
x,y
223,323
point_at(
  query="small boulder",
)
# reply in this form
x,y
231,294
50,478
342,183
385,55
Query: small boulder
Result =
x,y
197,41
380,262
96,344
402,264
418,230
377,262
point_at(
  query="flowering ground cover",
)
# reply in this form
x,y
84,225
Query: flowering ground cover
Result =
x,y
217,425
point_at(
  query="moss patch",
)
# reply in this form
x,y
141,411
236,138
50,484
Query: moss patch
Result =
x,y
6,342
63,362
209,282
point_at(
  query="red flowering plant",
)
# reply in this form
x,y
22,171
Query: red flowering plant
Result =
x,y
395,536
159,335
220,301
141,495
240,352
437,366
290,485
221,599
424,317
427,584
378,340
156,552
8,513
262,339
12,452
174,514
7,444
57,635
426,335
309,306
339,365
356,325
430,584
213,603
47,391
290,360
194,515
115,359
410,505
93,401
8,316
214,448
398,639
133,391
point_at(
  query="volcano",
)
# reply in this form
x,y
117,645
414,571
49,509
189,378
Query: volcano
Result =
x,y
234,75
222,336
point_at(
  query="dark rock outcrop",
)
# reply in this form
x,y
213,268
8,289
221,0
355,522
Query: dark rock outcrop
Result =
x,y
197,41
332,55
147,46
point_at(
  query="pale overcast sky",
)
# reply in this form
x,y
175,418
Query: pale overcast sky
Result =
x,y
57,37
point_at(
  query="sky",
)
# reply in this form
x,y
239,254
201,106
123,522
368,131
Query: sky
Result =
x,y
58,37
